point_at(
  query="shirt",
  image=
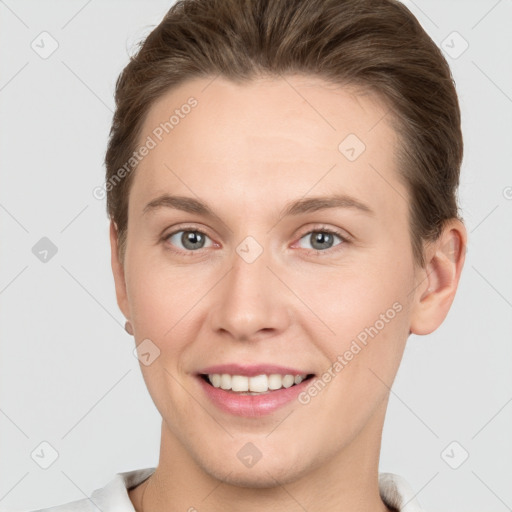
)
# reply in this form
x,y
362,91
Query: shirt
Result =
x,y
394,490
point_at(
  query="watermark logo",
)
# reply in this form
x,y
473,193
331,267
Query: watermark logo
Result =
x,y
455,455
44,455
249,455
351,147
44,250
454,45
249,249
44,45
146,352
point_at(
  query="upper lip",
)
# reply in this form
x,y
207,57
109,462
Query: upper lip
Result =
x,y
252,370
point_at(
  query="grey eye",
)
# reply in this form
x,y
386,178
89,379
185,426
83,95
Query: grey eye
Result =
x,y
191,240
320,240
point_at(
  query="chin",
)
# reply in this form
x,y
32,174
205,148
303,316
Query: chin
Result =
x,y
265,477
267,472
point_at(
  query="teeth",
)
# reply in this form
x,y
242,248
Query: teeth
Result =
x,y
258,384
225,381
254,385
216,379
275,381
239,383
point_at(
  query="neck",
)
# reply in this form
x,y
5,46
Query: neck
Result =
x,y
347,481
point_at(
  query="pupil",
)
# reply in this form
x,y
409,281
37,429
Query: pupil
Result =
x,y
191,238
324,239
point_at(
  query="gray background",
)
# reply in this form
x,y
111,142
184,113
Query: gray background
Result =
x,y
68,374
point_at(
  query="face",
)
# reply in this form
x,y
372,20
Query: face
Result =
x,y
288,253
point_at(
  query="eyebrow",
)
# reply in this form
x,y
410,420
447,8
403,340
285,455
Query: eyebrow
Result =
x,y
299,207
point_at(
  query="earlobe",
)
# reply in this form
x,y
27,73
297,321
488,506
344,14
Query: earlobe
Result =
x,y
437,283
118,271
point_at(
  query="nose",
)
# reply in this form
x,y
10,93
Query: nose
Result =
x,y
250,302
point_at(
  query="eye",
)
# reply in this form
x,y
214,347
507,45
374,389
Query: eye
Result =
x,y
191,239
322,239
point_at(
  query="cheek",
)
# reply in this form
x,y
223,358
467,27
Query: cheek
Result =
x,y
365,317
162,300
349,303
370,325
161,295
167,307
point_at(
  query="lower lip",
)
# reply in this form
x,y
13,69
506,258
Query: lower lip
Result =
x,y
252,406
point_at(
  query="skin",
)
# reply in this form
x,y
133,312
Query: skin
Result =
x,y
247,150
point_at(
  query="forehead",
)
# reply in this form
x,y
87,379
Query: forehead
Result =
x,y
282,137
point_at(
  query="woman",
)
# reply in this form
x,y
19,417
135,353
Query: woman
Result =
x,y
281,180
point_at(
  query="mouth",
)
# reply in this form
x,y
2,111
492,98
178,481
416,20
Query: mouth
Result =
x,y
253,390
262,384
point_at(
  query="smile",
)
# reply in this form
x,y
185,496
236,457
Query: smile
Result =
x,y
255,385
252,391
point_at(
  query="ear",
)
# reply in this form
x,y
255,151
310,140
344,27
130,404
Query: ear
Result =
x,y
118,272
438,281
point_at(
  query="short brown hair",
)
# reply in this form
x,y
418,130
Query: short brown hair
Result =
x,y
375,45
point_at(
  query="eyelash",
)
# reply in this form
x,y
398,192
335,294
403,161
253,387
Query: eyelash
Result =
x,y
345,239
